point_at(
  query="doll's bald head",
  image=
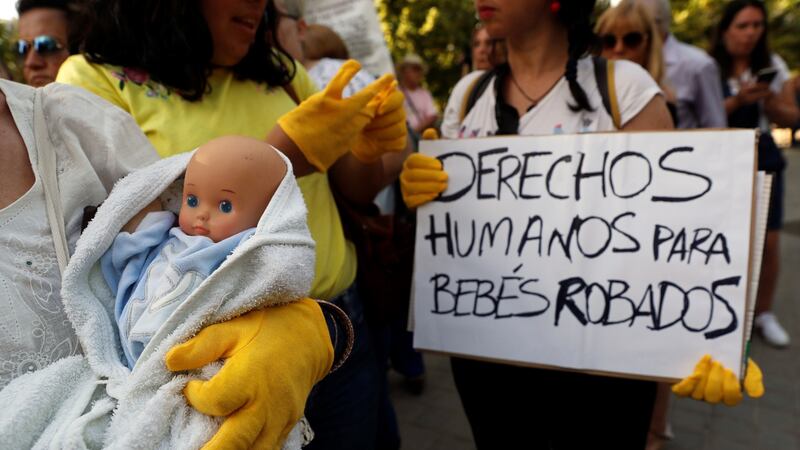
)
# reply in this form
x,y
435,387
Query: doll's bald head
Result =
x,y
228,184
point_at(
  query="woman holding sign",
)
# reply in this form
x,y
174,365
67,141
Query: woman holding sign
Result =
x,y
757,93
549,85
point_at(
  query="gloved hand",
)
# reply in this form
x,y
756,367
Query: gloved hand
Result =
x,y
388,131
273,357
325,126
711,382
422,177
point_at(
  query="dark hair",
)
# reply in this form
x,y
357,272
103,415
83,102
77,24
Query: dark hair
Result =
x,y
576,15
26,5
759,59
171,41
67,7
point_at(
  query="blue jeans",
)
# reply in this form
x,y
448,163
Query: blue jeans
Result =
x,y
343,407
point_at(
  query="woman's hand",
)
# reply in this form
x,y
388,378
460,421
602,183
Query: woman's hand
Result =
x,y
423,178
273,357
387,132
752,92
326,126
712,382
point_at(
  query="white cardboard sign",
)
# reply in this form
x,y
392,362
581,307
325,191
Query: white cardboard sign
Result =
x,y
625,253
356,22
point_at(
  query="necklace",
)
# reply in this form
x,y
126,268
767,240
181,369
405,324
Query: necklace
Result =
x,y
519,88
533,101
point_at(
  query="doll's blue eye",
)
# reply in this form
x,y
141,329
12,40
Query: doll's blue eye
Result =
x,y
191,201
225,206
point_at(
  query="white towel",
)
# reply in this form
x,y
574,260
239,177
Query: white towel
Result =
x,y
69,404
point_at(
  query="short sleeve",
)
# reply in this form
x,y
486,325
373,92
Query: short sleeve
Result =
x,y
82,122
635,88
77,71
451,122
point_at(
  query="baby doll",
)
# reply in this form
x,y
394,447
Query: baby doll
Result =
x,y
154,265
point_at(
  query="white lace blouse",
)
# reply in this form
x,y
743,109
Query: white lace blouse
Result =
x,y
96,143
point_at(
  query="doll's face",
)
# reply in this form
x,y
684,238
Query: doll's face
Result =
x,y
228,185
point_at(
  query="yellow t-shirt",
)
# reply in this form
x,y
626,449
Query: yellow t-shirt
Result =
x,y
174,125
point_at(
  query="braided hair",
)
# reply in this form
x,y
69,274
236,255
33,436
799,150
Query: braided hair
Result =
x,y
576,15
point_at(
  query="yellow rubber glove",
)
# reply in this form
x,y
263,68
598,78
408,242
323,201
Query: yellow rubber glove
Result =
x,y
388,131
712,382
325,126
273,357
422,177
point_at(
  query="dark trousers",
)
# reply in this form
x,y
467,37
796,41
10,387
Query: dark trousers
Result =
x,y
343,407
525,408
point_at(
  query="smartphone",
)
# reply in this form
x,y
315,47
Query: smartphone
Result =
x,y
766,75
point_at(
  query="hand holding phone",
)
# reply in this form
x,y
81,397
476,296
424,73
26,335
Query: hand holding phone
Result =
x,y
766,75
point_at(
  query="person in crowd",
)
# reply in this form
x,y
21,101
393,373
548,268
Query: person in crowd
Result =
x,y
547,86
692,74
45,36
627,31
754,82
693,78
222,72
420,106
482,45
291,27
323,53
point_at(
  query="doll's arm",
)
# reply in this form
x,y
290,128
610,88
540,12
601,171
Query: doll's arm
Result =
x,y
132,224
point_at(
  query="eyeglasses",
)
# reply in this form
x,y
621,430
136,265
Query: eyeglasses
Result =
x,y
630,40
43,45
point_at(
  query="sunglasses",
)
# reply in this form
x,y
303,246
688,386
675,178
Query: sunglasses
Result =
x,y
43,45
630,40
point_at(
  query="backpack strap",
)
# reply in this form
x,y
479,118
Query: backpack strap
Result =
x,y
604,75
474,92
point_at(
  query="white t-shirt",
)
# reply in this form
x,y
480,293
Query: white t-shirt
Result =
x,y
96,144
552,115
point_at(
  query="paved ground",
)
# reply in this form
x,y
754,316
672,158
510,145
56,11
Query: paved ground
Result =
x,y
435,420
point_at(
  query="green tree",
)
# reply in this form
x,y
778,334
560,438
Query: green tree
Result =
x,y
8,56
438,30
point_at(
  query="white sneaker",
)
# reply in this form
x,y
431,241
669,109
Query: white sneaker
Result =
x,y
771,330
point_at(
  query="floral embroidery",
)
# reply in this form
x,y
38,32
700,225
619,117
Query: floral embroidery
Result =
x,y
140,78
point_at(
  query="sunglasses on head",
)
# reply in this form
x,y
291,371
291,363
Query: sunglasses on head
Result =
x,y
43,45
630,40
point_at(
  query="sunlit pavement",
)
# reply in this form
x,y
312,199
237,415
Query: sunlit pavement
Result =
x,y
435,420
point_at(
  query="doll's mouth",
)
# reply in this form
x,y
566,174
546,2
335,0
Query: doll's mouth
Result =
x,y
200,230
